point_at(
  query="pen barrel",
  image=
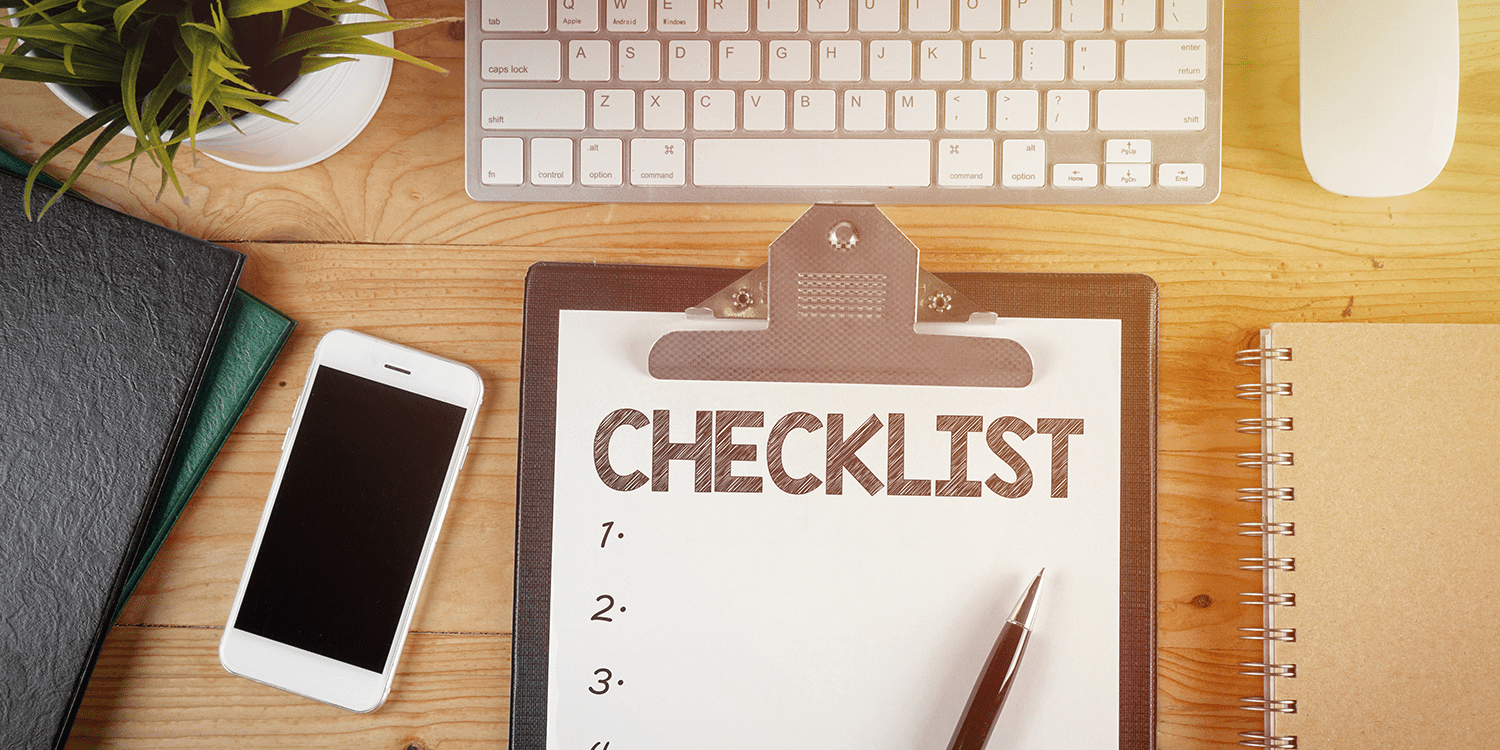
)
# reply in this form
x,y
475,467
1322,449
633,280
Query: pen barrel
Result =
x,y
990,691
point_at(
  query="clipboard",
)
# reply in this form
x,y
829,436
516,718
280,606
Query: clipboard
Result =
x,y
715,553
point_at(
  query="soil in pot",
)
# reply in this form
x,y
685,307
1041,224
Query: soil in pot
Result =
x,y
254,38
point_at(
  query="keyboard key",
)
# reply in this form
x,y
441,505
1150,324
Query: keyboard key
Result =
x,y
577,15
689,60
966,109
599,161
916,110
1184,15
658,161
739,61
500,161
879,15
1031,15
588,60
813,110
640,61
1068,110
713,110
776,16
839,61
1134,15
828,16
1075,175
1180,175
614,109
864,110
1127,175
551,161
1017,110
1023,163
979,15
521,60
966,162
729,16
1165,60
677,16
628,15
943,60
1127,151
515,15
1042,60
890,60
1151,109
532,109
812,162
992,60
765,110
929,15
790,61
664,109
1083,15
1094,60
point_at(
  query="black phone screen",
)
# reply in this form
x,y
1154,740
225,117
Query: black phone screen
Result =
x,y
350,518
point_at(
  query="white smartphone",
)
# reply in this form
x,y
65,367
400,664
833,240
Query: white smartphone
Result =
x,y
367,467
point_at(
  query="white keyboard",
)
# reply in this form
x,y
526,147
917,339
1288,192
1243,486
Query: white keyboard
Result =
x,y
886,101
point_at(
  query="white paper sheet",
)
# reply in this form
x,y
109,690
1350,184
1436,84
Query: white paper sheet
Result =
x,y
773,620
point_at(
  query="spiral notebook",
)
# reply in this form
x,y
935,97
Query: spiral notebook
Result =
x,y
1380,496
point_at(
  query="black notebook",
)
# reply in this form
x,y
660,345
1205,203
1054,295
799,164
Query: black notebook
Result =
x,y
106,325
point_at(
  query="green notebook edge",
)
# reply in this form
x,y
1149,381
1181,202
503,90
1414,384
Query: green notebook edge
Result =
x,y
250,340
18,167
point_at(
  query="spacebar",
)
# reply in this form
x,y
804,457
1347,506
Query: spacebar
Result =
x,y
812,162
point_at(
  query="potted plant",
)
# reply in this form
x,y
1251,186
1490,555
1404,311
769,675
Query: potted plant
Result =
x,y
169,72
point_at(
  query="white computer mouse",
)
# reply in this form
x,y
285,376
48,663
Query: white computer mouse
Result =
x,y
1379,93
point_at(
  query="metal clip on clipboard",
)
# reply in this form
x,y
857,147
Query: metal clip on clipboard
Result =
x,y
841,293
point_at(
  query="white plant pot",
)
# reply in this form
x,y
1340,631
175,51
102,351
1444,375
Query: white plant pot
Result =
x,y
327,108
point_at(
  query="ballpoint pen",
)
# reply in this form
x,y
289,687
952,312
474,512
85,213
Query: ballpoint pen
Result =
x,y
997,676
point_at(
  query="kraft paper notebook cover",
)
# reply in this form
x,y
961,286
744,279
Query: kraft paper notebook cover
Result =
x,y
1381,535
106,325
736,528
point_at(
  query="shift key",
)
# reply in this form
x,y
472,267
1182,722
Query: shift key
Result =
x,y
531,109
1151,109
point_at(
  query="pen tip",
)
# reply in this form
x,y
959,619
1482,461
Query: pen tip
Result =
x,y
1026,608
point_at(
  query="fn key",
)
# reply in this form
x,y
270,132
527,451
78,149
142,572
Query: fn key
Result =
x,y
500,161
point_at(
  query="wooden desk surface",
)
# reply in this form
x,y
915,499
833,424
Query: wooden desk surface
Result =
x,y
382,238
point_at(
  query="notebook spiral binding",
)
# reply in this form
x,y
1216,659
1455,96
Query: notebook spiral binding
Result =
x,y
1268,529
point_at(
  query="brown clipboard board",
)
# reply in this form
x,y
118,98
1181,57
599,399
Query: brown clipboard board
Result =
x,y
552,287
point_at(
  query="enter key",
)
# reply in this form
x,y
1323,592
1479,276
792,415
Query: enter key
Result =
x,y
1166,60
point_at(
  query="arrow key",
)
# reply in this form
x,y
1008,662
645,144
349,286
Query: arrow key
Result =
x,y
1180,175
1075,175
1127,151
1127,175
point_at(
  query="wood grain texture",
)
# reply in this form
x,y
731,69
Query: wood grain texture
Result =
x,y
164,688
382,238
